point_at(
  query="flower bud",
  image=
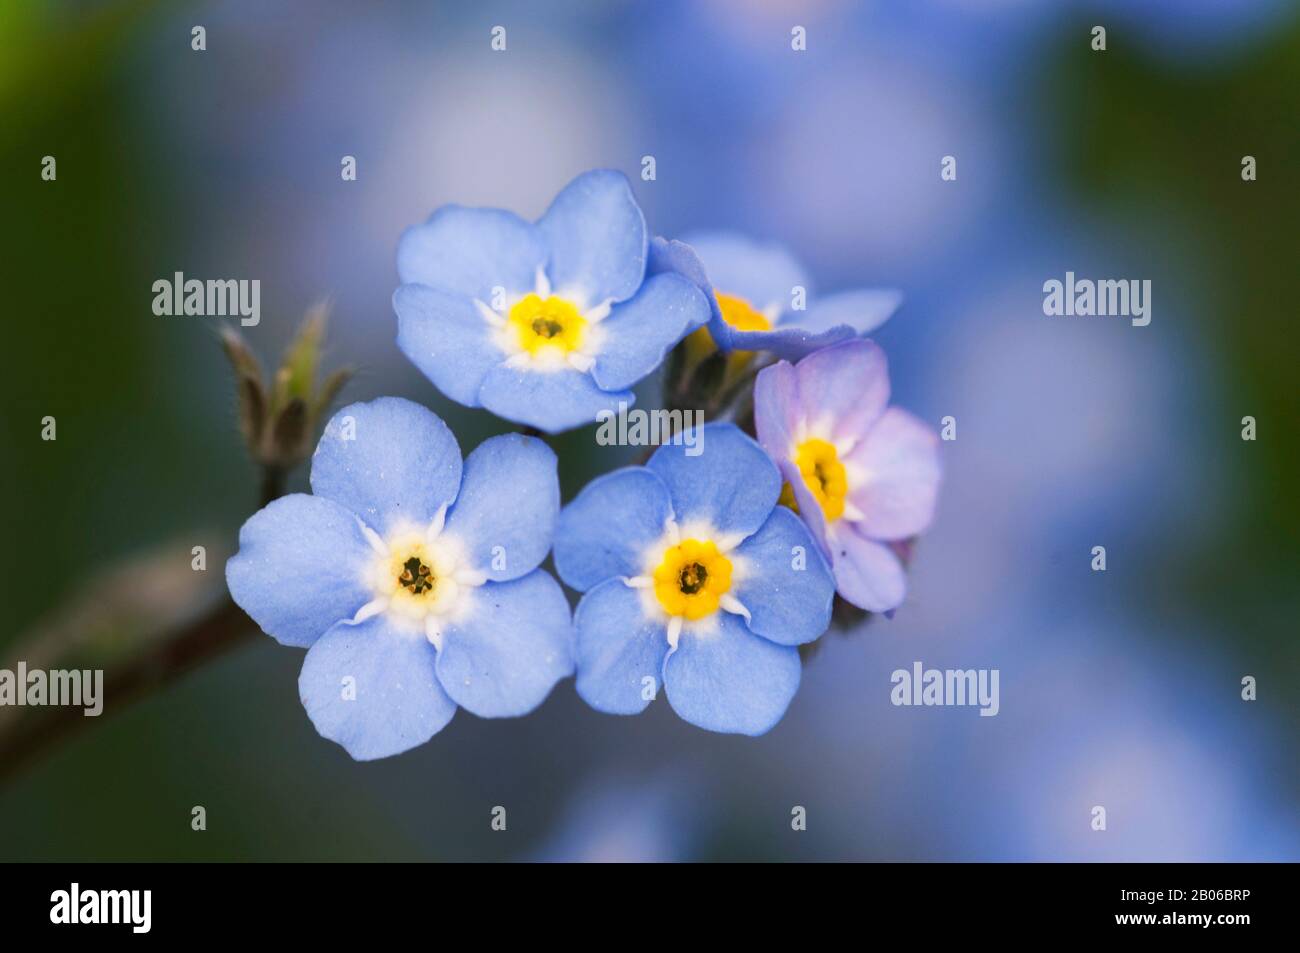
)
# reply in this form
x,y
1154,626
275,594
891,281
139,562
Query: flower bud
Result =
x,y
279,421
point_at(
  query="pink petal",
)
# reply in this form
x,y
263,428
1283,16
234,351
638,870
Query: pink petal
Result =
x,y
777,411
846,384
867,573
900,460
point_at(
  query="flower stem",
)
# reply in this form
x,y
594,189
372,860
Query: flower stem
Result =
x,y
203,640
153,668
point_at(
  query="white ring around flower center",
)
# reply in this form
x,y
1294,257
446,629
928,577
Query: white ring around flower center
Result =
x,y
421,578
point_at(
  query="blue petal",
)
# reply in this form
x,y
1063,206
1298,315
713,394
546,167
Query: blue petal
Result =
x,y
300,568
788,343
399,466
728,679
445,336
763,274
398,702
469,251
604,531
678,258
597,238
788,605
640,332
862,311
506,656
619,647
548,400
730,483
831,320
509,497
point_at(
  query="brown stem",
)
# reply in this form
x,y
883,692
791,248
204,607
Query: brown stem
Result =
x,y
206,638
273,478
202,640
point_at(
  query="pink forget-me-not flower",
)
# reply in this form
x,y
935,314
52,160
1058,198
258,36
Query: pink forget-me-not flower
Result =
x,y
862,475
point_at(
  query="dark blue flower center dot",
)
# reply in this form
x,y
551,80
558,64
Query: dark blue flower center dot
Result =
x,y
692,578
416,576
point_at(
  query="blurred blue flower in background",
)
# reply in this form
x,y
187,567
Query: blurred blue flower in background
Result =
x,y
546,324
658,818
692,573
413,588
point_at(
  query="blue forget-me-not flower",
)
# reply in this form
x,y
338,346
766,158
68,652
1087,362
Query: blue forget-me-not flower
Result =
x,y
411,585
546,323
694,578
760,300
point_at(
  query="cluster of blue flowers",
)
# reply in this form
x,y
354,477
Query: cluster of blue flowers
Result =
x,y
412,576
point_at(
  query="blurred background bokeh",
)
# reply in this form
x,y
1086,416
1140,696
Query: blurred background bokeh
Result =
x,y
1120,688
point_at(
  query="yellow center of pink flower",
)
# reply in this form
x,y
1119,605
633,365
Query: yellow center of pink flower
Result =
x,y
823,473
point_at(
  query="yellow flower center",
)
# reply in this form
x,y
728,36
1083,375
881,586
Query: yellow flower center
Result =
x,y
824,475
692,578
547,323
742,316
